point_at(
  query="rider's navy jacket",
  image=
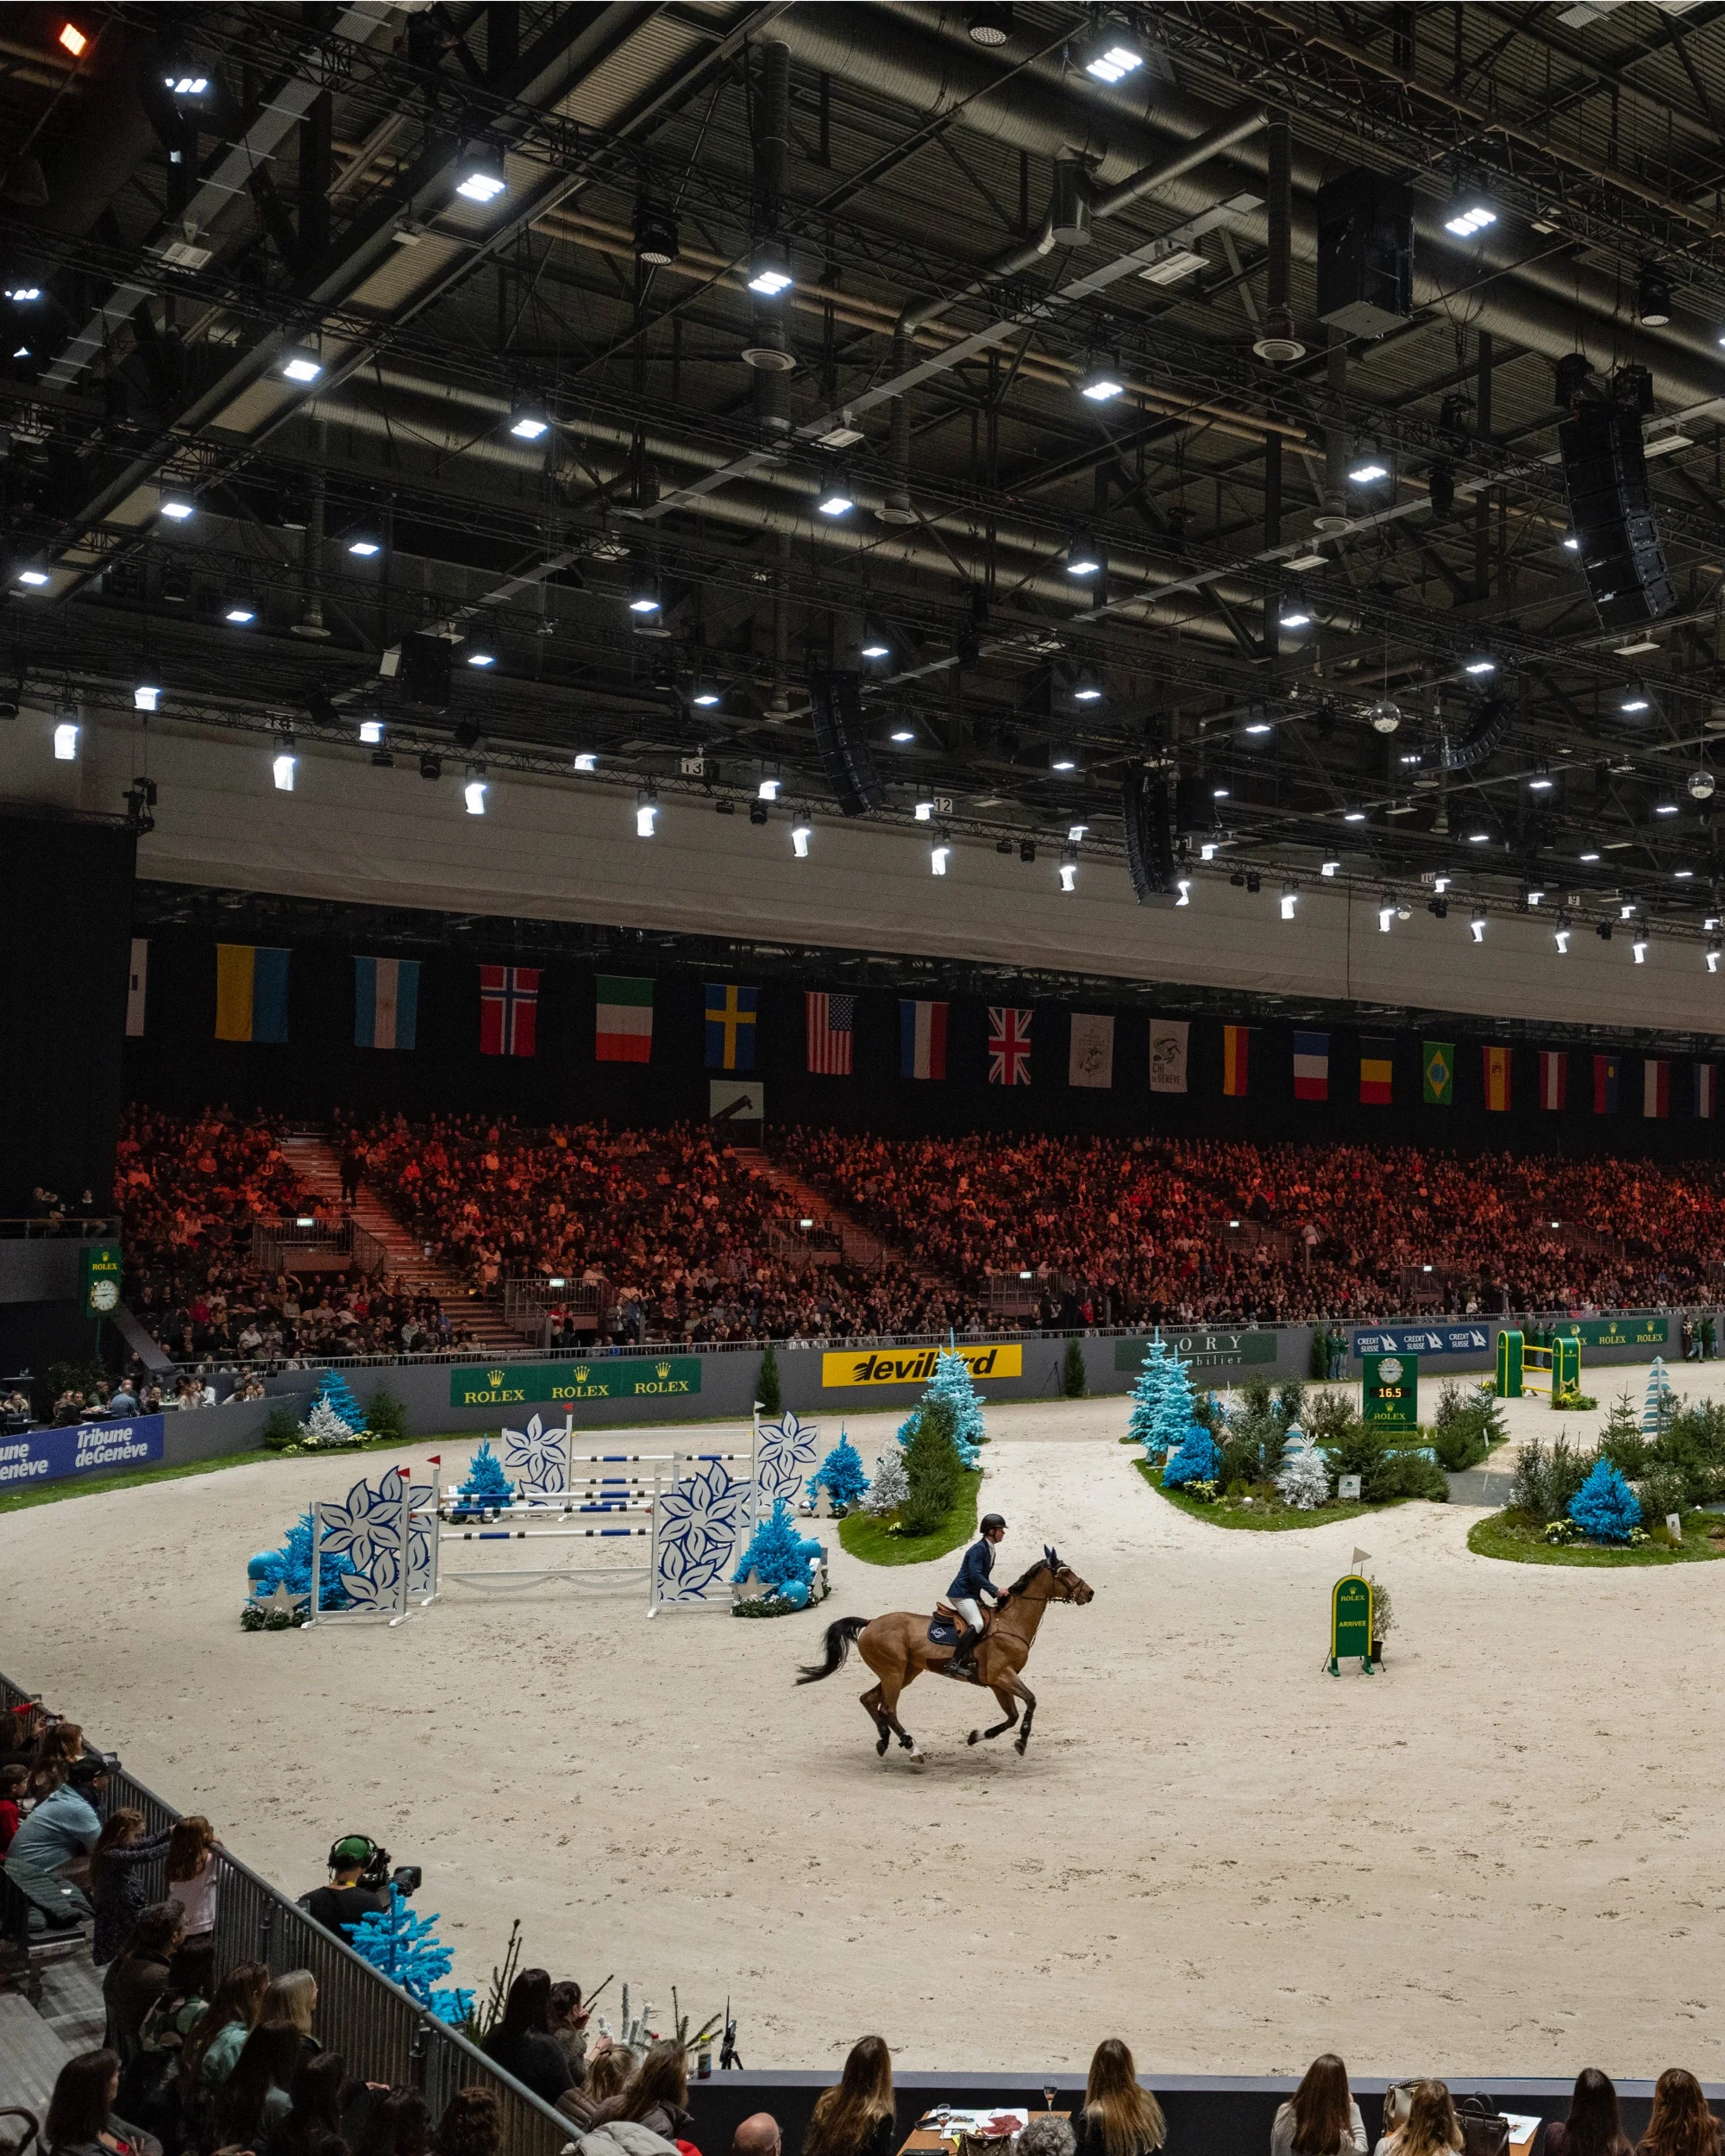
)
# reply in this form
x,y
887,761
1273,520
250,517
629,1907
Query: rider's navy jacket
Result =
x,y
973,1574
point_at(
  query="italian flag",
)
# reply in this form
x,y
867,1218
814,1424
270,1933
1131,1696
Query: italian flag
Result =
x,y
623,1022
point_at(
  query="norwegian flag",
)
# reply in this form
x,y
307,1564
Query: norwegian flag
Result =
x,y
509,1004
1008,1046
831,1032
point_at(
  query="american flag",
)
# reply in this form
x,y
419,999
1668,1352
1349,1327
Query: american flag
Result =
x,y
1008,1046
831,1028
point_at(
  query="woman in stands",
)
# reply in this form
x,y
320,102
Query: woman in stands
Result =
x,y
254,2102
59,1743
1681,2124
1593,2127
657,2095
471,2125
522,2043
855,2119
190,1873
293,1997
139,1974
1430,2127
315,2105
118,1885
216,2041
1118,2117
81,2121
1323,2118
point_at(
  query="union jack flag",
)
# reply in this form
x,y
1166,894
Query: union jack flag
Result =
x,y
832,1029
1008,1046
509,1007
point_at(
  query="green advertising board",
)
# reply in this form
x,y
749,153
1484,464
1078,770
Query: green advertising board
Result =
x,y
1612,1332
99,1278
606,1377
1390,1385
1351,1622
1203,1351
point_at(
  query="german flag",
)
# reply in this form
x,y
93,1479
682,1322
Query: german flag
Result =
x,y
1236,1040
1376,1071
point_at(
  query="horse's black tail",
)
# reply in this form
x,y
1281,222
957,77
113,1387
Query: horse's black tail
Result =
x,y
839,1635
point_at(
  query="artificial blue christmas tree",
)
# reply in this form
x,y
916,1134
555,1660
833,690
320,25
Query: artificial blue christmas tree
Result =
x,y
1174,1415
841,1475
779,1557
405,1948
951,1382
486,1486
291,1567
1147,1395
337,1394
1196,1461
1605,1508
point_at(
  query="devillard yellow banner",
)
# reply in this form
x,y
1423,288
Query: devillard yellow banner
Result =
x,y
915,1366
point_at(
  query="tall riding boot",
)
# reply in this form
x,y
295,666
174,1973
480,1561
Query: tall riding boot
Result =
x,y
964,1662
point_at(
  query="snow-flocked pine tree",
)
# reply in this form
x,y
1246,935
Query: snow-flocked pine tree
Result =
x,y
891,1485
1303,1479
324,1428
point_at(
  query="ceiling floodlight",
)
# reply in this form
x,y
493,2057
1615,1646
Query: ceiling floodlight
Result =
x,y
938,858
176,507
282,770
875,644
706,699
1468,214
473,793
365,547
482,179
1329,868
1083,558
586,760
481,658
1386,914
1477,926
769,789
1713,958
839,503
302,366
1069,876
1665,808
146,698
1289,899
1354,815
1479,666
1101,387
924,811
769,269
644,594
1294,616
902,733
1635,702
1368,468
657,240
1110,54
72,40
646,816
370,731
1208,849
1571,543
240,612
66,742
1639,948
1478,838
1652,297
1087,689
990,25
529,421
802,831
35,578
1183,892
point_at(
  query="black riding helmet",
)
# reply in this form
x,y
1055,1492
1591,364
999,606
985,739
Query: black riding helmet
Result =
x,y
990,1521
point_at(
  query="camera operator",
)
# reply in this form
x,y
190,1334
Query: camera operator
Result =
x,y
358,1884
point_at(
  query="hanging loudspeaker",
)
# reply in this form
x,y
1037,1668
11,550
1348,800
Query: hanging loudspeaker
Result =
x,y
839,736
1150,841
1611,512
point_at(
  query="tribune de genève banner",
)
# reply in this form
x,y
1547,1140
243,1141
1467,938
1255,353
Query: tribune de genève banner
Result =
x,y
88,1448
606,1377
914,1366
1217,1351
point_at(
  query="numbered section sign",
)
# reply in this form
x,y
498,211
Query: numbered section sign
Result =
x,y
1391,1386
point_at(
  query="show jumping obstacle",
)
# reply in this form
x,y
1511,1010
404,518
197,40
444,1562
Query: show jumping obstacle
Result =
x,y
694,1513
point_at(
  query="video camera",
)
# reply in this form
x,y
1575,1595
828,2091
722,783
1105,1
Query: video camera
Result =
x,y
376,1874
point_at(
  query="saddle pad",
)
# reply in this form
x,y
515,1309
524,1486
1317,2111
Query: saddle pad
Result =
x,y
942,1631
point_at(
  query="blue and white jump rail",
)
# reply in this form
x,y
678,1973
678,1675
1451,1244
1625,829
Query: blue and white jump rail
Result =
x,y
693,1511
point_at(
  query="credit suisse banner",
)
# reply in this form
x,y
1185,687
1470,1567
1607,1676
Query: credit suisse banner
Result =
x,y
606,1377
1424,1340
914,1366
87,1448
1204,1350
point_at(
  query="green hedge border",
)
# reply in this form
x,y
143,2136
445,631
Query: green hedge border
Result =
x,y
1502,1536
863,1536
1256,1519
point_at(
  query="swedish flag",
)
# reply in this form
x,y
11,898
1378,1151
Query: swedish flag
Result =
x,y
731,1019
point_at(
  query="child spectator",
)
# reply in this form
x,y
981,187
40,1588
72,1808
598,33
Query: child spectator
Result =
x,y
13,1780
118,1884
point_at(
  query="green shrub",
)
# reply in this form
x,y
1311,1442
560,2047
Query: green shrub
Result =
x,y
386,1416
1075,1380
1694,1440
1354,1447
1547,1477
1663,1487
1290,1401
281,1427
768,1388
932,1469
1468,1423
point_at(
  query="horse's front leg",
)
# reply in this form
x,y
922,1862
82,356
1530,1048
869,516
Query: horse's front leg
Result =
x,y
1025,1693
1004,1694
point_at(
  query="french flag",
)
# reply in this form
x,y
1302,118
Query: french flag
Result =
x,y
1554,1078
1655,1087
922,1039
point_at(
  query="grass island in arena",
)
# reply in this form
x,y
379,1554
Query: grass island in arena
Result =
x,y
862,1222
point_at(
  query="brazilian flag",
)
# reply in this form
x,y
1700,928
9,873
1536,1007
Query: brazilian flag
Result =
x,y
1438,1067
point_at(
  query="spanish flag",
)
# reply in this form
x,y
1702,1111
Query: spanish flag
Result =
x,y
1376,1071
251,992
1496,1061
1235,1041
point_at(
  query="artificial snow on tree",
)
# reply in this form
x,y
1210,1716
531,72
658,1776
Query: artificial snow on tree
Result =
x,y
1196,1461
405,1948
951,1382
486,1486
1605,1508
323,1429
840,1475
290,1567
779,1557
1303,1480
891,1485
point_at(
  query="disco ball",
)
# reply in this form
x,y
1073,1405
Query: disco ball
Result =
x,y
1385,715
1700,786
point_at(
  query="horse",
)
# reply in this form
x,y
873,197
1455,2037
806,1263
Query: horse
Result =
x,y
897,1648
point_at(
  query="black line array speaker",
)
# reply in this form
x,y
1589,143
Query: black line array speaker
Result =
x,y
1611,511
1366,254
1149,837
839,737
424,671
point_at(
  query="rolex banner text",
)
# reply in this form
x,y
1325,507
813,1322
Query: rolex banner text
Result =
x,y
606,1377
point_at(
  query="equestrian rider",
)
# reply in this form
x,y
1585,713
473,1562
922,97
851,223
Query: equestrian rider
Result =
x,y
966,1592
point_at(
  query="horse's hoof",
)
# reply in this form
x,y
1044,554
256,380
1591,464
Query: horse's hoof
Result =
x,y
1020,1747
881,1749
916,1759
975,1737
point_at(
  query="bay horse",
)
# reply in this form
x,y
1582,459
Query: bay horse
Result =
x,y
897,1648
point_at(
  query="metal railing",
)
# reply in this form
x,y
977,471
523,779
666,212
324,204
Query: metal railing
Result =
x,y
383,2034
527,1303
105,1229
287,1246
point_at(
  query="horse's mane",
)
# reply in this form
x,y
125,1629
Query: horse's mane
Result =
x,y
1024,1580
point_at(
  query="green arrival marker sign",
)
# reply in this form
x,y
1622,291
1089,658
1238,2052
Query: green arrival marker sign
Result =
x,y
1351,1622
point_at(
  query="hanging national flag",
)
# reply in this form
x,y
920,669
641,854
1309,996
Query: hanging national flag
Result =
x,y
1605,1074
1655,1086
1703,1091
1091,1055
1167,1055
1438,1073
732,1014
1008,1046
832,1029
137,981
509,1006
1311,1066
623,1018
1497,1063
1554,1078
386,1002
922,1039
251,992
1376,1071
1236,1060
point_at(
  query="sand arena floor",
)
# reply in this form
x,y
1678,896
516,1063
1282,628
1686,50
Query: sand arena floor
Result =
x,y
1502,1853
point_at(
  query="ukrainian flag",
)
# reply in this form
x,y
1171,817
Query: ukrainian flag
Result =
x,y
251,992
